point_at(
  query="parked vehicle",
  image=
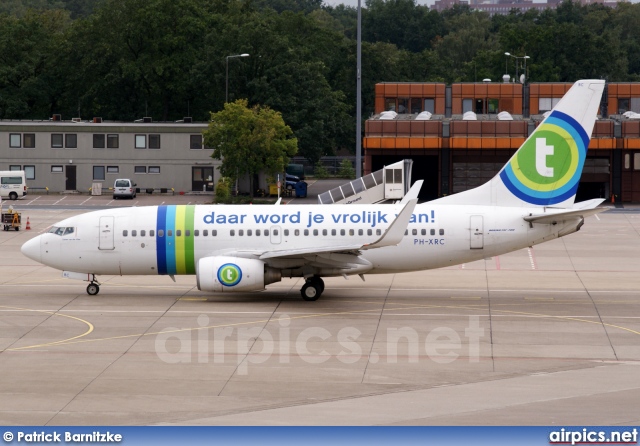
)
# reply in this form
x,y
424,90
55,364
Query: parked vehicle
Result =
x,y
124,188
12,184
290,181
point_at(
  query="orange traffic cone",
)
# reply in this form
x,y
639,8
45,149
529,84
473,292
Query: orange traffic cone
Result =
x,y
28,224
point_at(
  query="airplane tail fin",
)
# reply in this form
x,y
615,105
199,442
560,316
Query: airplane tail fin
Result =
x,y
546,169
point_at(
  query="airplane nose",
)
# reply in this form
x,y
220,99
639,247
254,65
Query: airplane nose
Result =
x,y
31,249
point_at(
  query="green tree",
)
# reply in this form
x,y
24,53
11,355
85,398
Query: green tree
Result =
x,y
249,140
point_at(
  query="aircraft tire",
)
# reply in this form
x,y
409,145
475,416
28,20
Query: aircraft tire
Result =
x,y
93,289
319,282
310,291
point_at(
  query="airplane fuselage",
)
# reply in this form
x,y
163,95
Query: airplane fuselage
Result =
x,y
170,240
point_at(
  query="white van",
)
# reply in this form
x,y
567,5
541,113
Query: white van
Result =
x,y
13,184
124,188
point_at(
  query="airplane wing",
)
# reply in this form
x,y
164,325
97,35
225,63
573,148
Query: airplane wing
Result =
x,y
413,192
579,210
391,237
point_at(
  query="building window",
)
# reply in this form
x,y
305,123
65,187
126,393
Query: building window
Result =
x,y
113,169
546,104
623,105
195,142
15,140
98,173
57,169
71,141
467,105
635,107
113,142
493,106
15,167
30,172
154,141
154,169
141,141
403,106
430,105
140,169
98,141
415,105
636,161
29,140
390,104
56,140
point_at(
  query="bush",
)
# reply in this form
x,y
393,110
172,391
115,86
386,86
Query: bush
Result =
x,y
320,171
222,191
346,170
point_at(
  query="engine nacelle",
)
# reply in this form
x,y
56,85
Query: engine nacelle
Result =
x,y
224,274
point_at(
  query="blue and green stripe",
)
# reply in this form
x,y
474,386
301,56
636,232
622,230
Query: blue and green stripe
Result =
x,y
175,254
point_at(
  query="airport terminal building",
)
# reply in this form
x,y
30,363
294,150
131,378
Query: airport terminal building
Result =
x,y
73,155
460,135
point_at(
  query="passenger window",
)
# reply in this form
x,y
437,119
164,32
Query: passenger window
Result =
x,y
187,232
241,232
205,232
151,233
169,232
143,233
214,232
333,232
275,232
352,232
441,231
423,232
324,232
232,232
160,233
178,232
125,233
315,232
296,232
249,232
360,232
378,231
433,232
369,231
257,232
414,232
134,233
266,233
306,232
342,232
196,232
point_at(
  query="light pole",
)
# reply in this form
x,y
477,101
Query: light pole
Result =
x,y
525,57
226,91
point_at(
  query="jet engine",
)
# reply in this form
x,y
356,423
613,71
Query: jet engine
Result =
x,y
224,274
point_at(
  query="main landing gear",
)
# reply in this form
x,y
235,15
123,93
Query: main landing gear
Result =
x,y
312,289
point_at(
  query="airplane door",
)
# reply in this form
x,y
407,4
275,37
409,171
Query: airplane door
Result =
x,y
276,236
106,233
477,232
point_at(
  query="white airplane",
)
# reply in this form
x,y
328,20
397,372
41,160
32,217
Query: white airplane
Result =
x,y
245,248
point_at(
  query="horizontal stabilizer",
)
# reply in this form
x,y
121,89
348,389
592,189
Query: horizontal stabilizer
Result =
x,y
580,210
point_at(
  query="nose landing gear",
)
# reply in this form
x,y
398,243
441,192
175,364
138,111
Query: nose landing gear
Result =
x,y
312,289
93,288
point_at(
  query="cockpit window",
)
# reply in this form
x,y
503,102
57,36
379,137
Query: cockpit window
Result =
x,y
61,231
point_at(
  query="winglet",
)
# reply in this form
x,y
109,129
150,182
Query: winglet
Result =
x,y
395,233
413,192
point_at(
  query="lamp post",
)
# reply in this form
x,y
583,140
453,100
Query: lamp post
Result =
x,y
525,57
226,91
